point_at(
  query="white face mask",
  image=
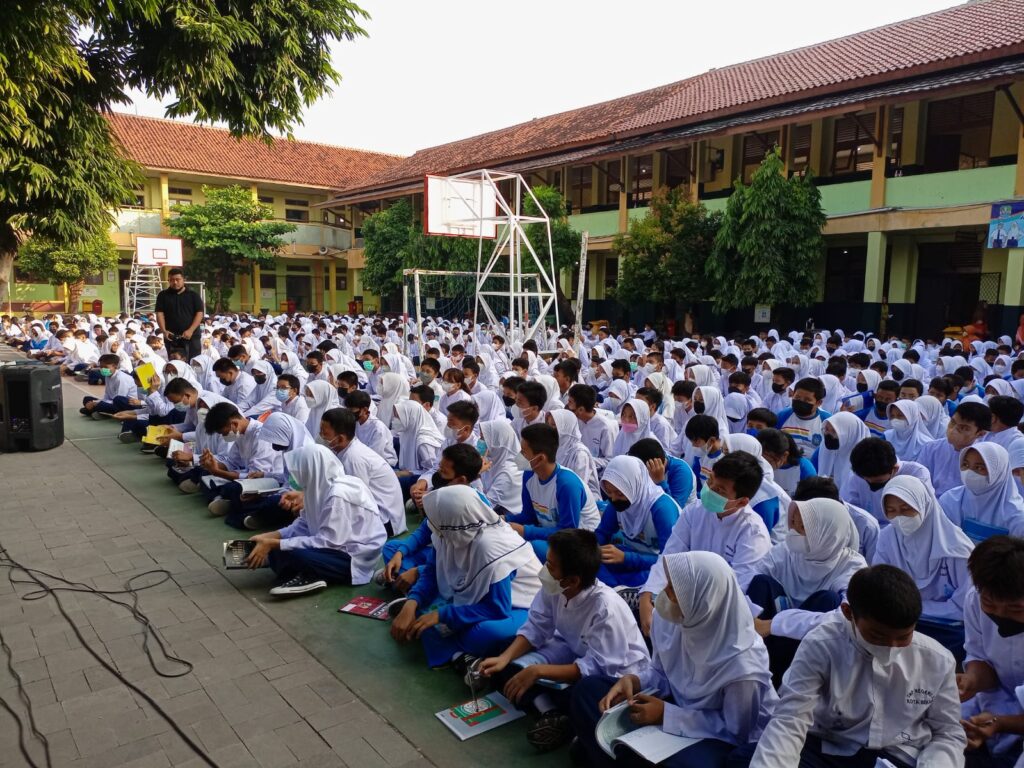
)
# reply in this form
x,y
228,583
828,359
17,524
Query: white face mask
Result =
x,y
231,437
975,482
668,610
797,543
310,401
451,434
447,387
516,412
201,413
999,369
899,424
883,654
549,583
908,525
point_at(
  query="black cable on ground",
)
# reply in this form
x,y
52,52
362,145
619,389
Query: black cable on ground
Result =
x,y
36,576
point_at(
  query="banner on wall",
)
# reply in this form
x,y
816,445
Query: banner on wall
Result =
x,y
1006,227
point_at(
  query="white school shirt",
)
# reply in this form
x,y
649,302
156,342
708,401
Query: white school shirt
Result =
x,y
519,422
119,384
740,538
248,454
662,430
598,435
777,403
806,432
296,408
242,391
366,464
377,437
595,629
944,595
836,691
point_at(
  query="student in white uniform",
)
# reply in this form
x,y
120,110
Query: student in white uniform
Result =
x,y
874,464
994,667
502,479
597,430
840,433
577,627
239,386
864,685
709,671
866,525
337,537
987,504
798,584
289,399
572,454
720,521
118,388
369,429
926,544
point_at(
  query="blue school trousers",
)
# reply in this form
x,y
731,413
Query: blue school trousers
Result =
x,y
584,713
488,638
613,577
812,757
139,426
768,593
102,406
331,565
266,509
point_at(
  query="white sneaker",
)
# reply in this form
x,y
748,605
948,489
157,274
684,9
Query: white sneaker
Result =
x,y
298,585
219,507
188,486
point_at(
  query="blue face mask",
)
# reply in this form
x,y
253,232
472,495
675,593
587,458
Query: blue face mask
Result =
x,y
282,395
293,484
751,432
481,447
713,502
367,365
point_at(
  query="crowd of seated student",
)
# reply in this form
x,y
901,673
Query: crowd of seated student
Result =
x,y
793,552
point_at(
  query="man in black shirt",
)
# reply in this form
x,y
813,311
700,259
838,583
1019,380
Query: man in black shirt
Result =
x,y
179,312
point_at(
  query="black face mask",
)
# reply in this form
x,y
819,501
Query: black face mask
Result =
x,y
897,374
279,447
698,406
1006,627
862,386
734,391
509,401
831,442
801,408
878,486
778,389
621,505
881,409
437,481
260,379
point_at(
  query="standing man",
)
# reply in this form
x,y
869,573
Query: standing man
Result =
x,y
179,313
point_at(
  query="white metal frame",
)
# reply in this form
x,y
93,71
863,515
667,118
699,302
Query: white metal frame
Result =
x,y
511,240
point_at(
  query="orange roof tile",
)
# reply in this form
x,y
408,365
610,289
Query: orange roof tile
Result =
x,y
188,147
976,31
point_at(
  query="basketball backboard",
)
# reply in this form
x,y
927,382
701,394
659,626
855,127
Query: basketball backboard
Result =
x,y
460,207
158,251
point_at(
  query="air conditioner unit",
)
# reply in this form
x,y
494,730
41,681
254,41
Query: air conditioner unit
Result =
x,y
323,250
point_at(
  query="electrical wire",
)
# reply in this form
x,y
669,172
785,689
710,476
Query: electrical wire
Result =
x,y
36,577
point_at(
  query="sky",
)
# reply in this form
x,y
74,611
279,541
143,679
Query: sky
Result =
x,y
433,71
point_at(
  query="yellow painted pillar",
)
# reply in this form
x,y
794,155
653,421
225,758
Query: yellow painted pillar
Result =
x,y
332,275
911,152
656,169
1013,288
697,152
903,271
254,193
243,294
165,203
874,273
596,177
879,162
257,293
784,149
318,286
625,177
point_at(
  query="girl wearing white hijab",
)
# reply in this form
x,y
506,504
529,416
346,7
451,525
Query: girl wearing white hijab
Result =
x,y
926,544
393,388
202,367
502,479
840,433
490,406
484,576
320,397
708,667
419,442
264,398
987,504
572,454
338,535
634,424
800,583
619,391
934,416
636,523
908,434
707,400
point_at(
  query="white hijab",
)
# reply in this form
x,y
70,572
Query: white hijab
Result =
x,y
630,476
850,430
325,397
393,388
282,429
934,416
414,427
909,441
624,440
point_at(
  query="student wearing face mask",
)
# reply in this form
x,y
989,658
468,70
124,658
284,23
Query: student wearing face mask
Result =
x,y
239,386
709,671
597,429
876,418
620,390
429,375
796,585
778,398
926,544
969,424
874,464
553,497
577,627
634,424
804,417
994,629
1007,412
289,401
419,441
987,504
864,685
907,432
453,385
720,521
370,430
705,437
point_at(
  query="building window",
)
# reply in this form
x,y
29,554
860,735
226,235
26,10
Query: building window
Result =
x,y
179,190
853,149
755,147
844,274
268,281
265,199
96,279
580,184
611,182
800,149
959,133
611,274
179,201
641,180
340,280
297,203
290,214
677,167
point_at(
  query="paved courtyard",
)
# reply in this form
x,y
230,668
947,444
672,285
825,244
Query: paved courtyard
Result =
x,y
273,683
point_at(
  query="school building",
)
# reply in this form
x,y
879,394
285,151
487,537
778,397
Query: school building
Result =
x,y
316,270
912,130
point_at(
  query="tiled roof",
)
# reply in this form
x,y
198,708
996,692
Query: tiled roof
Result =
x,y
187,147
975,31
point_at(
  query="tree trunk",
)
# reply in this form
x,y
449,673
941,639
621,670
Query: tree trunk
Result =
x,y
6,269
75,296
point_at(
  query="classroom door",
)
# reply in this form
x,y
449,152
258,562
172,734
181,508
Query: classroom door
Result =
x,y
300,290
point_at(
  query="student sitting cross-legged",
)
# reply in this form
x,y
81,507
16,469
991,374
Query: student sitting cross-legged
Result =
x,y
709,671
578,627
337,536
864,685
473,592
118,388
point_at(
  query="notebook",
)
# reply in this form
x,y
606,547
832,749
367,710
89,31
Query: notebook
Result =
x,y
154,433
145,372
471,718
370,607
649,741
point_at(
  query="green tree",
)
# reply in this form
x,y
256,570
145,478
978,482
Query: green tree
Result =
x,y
663,254
70,263
252,65
228,236
565,241
770,244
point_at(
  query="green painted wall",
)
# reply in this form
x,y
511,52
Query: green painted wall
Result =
x,y
600,224
979,185
851,197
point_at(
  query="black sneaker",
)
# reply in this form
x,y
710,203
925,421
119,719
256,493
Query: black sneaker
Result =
x,y
252,523
551,731
298,585
632,597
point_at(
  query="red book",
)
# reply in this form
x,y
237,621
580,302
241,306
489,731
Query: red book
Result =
x,y
370,607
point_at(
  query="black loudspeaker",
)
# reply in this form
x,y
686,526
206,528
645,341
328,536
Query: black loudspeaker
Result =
x,y
31,408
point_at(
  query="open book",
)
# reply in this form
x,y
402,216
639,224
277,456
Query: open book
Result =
x,y
649,741
261,486
479,715
154,433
